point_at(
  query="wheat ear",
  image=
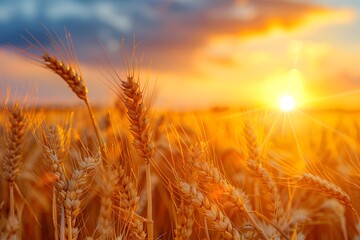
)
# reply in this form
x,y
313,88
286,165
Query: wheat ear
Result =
x,y
136,229
55,148
254,154
15,134
75,189
185,221
210,210
139,127
78,86
66,72
128,198
251,143
272,192
138,117
326,187
127,190
108,186
234,198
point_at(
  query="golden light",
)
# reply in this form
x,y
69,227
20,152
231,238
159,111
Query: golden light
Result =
x,y
287,103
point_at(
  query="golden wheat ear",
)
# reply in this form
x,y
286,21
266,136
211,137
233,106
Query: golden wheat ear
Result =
x,y
128,200
12,161
210,210
185,219
76,188
233,197
108,187
138,117
15,134
61,59
324,186
68,74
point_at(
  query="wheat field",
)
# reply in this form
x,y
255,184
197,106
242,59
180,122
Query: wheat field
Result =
x,y
130,171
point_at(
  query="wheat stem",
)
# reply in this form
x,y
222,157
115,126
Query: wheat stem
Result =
x,y
62,223
69,224
150,223
54,215
11,200
99,137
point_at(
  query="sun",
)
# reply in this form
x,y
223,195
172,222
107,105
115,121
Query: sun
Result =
x,y
287,103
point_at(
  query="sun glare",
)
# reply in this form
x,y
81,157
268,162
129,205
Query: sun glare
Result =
x,y
287,103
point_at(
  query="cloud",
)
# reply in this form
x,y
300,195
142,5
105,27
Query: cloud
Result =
x,y
5,13
85,19
107,14
159,24
188,32
67,9
10,10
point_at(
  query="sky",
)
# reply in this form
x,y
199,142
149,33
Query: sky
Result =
x,y
192,54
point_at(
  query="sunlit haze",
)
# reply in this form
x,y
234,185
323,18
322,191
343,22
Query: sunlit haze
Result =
x,y
287,103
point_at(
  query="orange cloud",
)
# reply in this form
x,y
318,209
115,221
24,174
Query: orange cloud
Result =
x,y
177,41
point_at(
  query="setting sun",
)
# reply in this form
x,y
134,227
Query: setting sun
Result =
x,y
287,103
